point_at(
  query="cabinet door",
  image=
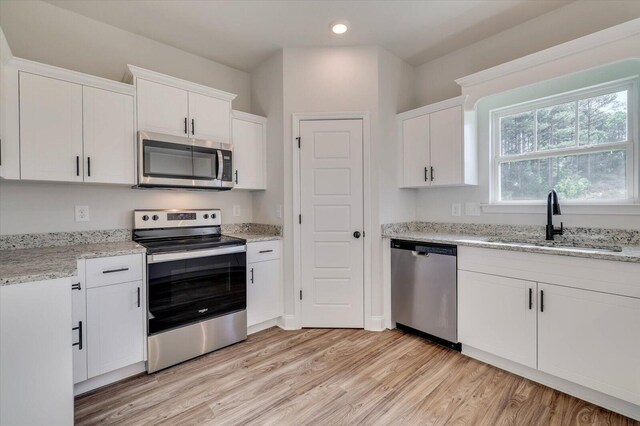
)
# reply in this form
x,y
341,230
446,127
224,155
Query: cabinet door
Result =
x,y
496,316
210,118
114,327
248,154
79,325
50,129
590,338
415,151
162,108
263,291
446,146
109,136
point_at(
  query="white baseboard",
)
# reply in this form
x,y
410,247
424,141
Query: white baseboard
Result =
x,y
376,323
610,403
288,322
262,326
109,378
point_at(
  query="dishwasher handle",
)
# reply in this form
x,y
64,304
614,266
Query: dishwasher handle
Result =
x,y
424,249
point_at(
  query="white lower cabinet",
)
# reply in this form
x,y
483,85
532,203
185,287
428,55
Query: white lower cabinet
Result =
x,y
264,282
114,327
591,338
498,315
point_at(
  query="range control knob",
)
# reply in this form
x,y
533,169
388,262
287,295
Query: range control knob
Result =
x,y
213,215
155,217
206,216
145,217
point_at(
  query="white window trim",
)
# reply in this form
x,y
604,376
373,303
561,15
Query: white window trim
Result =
x,y
630,205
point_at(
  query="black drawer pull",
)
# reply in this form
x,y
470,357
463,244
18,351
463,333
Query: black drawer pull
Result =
x,y
79,342
251,275
138,297
265,251
111,271
76,286
530,298
541,300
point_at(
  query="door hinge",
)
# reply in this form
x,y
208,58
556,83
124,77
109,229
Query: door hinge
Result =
x,y
300,294
298,139
300,219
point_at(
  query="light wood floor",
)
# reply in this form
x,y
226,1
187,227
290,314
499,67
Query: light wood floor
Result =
x,y
332,377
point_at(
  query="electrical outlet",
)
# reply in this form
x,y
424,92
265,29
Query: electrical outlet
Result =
x,y
472,209
456,209
82,213
236,211
279,211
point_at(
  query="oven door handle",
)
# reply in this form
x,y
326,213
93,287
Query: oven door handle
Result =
x,y
220,165
168,257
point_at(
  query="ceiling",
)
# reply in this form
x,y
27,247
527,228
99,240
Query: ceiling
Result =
x,y
243,33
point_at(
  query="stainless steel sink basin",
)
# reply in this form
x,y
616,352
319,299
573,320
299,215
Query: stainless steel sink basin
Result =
x,y
566,245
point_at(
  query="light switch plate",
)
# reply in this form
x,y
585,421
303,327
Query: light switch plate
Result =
x,y
236,211
472,209
456,209
82,213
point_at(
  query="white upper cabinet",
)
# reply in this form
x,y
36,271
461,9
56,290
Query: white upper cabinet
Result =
x,y
209,118
177,107
162,108
50,129
249,151
435,149
109,137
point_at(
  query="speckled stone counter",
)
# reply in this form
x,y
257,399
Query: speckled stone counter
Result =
x,y
253,232
593,243
44,263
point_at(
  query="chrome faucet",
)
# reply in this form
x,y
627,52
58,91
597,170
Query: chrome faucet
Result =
x,y
553,208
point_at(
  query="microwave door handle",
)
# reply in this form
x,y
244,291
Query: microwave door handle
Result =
x,y
220,164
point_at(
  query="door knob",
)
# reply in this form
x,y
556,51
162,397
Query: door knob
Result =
x,y
356,234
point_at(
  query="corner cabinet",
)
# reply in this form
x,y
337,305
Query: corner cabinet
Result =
x,y
181,108
67,126
249,137
570,318
435,149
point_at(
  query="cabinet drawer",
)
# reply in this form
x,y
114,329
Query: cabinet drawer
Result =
x,y
113,270
264,250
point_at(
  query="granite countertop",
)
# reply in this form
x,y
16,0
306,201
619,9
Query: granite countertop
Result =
x,y
46,263
254,238
585,249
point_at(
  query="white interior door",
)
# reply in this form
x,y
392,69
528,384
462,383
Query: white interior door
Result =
x,y
331,198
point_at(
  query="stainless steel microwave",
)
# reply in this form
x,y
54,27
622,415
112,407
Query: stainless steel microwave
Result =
x,y
166,161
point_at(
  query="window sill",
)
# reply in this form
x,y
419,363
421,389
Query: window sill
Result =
x,y
578,209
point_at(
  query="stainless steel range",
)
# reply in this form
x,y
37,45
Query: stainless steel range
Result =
x,y
196,284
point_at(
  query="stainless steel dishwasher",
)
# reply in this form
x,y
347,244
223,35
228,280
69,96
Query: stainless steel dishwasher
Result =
x,y
424,290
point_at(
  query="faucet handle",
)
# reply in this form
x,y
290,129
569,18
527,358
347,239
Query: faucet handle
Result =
x,y
561,230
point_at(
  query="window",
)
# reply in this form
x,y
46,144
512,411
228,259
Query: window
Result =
x,y
581,143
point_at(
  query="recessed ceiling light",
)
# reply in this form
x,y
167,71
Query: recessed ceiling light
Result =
x,y
339,27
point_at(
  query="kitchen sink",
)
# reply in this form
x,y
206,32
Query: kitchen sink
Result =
x,y
567,245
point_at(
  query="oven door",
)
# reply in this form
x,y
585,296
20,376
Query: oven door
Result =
x,y
173,161
188,290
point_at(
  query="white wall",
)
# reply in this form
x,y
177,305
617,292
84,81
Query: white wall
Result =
x,y
41,32
267,99
50,207
435,79
45,33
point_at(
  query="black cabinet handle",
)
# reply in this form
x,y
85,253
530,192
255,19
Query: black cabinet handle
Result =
x,y
185,126
432,177
88,166
193,126
236,177
76,286
111,271
265,251
541,300
251,275
138,297
79,342
426,178
77,165
530,298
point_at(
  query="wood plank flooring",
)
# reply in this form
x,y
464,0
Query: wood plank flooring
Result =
x,y
335,377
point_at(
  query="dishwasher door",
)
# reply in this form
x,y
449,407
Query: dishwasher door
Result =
x,y
424,288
